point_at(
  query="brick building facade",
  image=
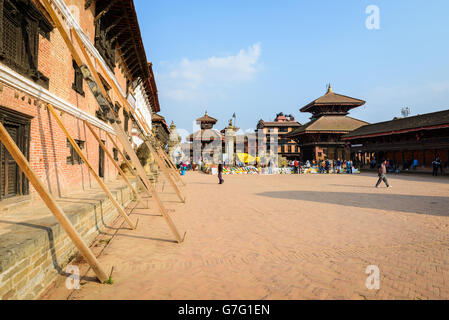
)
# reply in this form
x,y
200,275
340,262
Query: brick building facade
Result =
x,y
280,127
37,68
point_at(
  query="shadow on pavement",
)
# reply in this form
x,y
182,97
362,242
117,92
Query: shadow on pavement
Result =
x,y
436,206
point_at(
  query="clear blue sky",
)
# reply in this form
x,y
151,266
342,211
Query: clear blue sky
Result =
x,y
257,58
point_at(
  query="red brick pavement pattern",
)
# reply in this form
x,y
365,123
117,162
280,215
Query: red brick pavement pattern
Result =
x,y
285,237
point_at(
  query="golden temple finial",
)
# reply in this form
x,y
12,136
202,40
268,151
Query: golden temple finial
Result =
x,y
329,89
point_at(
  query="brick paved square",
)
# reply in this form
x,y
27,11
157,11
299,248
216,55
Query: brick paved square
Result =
x,y
285,237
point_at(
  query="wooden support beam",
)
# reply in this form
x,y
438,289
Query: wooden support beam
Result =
x,y
149,145
62,31
91,67
163,161
124,139
171,167
161,152
110,156
122,136
170,163
129,165
91,169
57,211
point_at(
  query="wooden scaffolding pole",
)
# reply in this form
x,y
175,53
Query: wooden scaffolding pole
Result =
x,y
147,182
163,160
145,132
172,166
128,164
130,111
91,169
119,131
57,211
111,158
170,163
124,140
162,154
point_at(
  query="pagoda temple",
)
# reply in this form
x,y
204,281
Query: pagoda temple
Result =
x,y
320,138
205,136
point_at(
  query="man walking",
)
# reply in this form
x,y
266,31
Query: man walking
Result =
x,y
383,174
436,165
220,173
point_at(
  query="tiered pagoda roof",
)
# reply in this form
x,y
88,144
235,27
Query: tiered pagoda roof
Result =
x,y
207,123
330,115
332,104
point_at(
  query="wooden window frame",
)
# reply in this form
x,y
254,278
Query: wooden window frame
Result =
x,y
103,40
78,80
126,121
29,23
74,158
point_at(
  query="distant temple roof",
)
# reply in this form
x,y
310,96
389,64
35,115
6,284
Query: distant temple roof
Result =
x,y
339,124
426,121
331,99
206,119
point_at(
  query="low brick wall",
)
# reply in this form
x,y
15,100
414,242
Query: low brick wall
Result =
x,y
33,253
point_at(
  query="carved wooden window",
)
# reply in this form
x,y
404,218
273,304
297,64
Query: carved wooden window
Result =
x,y
104,41
115,152
20,25
12,180
74,158
78,81
126,120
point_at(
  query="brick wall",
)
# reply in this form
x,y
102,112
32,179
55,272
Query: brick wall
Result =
x,y
48,149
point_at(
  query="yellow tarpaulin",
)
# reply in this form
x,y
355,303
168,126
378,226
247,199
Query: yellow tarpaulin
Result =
x,y
247,158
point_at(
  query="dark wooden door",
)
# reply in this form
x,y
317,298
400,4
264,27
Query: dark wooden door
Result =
x,y
12,180
101,161
10,174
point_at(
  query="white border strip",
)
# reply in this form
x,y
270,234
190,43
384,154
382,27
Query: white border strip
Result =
x,y
23,84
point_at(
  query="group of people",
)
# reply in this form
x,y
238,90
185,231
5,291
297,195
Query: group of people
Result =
x,y
343,166
324,166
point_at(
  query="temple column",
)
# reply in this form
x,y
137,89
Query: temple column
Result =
x,y
229,145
